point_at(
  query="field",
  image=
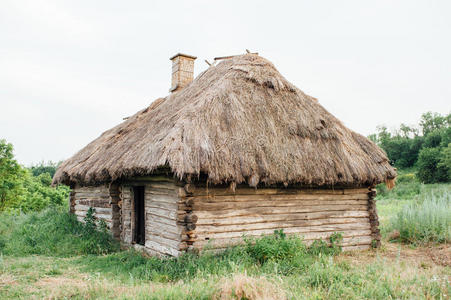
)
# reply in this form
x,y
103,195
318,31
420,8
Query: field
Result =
x,y
415,264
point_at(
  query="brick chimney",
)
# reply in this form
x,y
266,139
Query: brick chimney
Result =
x,y
182,71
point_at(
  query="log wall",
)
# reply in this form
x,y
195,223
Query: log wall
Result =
x,y
163,233
222,217
180,217
98,197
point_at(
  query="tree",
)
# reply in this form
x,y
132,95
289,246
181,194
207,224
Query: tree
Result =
x,y
445,160
430,170
11,173
20,190
431,121
49,167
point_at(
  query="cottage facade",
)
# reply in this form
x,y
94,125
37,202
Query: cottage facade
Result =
x,y
238,150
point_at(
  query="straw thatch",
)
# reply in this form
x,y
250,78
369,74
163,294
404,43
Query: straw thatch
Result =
x,y
239,121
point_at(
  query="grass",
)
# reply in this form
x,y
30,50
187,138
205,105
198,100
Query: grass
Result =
x,y
53,232
415,213
50,255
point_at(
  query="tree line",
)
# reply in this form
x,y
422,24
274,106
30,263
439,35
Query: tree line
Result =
x,y
27,189
426,147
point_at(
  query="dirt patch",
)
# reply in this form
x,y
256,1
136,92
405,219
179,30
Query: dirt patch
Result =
x,y
439,255
7,280
245,287
60,281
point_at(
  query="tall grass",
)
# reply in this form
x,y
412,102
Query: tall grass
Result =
x,y
426,220
53,232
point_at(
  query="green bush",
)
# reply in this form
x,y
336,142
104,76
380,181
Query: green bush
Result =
x,y
274,247
53,232
425,220
429,168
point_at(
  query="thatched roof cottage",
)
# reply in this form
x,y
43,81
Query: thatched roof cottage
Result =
x,y
238,150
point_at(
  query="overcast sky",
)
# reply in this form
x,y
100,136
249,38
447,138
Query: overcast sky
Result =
x,y
70,70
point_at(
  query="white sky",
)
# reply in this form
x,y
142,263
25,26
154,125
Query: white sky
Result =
x,y
70,70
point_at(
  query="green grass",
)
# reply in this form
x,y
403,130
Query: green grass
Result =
x,y
415,213
53,232
52,255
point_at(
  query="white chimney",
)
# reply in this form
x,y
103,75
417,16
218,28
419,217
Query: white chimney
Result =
x,y
182,71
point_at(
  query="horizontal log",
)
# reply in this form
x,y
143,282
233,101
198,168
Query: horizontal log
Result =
x,y
199,191
105,217
164,198
152,231
308,239
270,204
102,189
276,225
276,210
163,212
277,197
94,202
279,225
84,195
164,241
282,217
288,230
79,207
161,219
163,249
165,205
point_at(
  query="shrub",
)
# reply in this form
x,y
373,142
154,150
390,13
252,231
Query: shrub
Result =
x,y
425,221
274,247
429,168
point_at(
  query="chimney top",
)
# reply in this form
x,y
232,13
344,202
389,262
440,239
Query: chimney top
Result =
x,y
182,71
184,55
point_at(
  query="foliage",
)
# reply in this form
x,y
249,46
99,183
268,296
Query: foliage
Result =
x,y
25,189
406,148
44,167
431,121
445,160
429,168
53,232
11,174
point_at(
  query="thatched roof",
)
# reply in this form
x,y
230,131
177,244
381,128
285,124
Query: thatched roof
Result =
x,y
239,121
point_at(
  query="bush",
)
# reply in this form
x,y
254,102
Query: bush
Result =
x,y
428,220
429,168
274,247
53,232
